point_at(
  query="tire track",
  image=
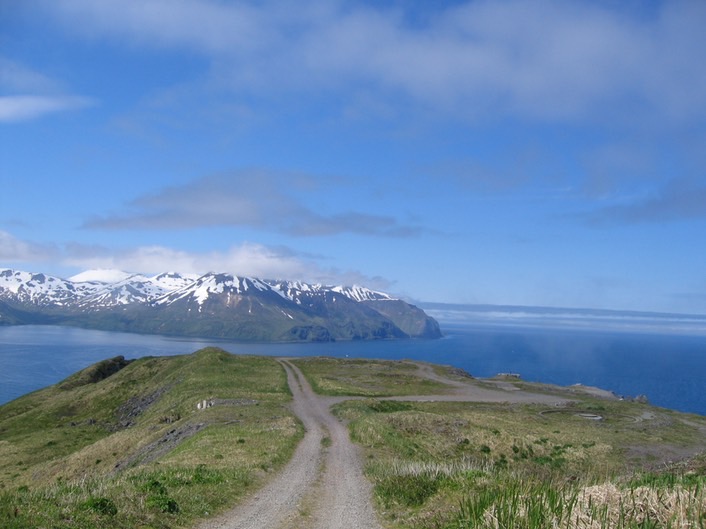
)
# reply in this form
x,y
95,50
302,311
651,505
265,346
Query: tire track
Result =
x,y
330,480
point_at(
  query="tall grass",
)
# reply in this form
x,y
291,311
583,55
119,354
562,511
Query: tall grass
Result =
x,y
482,466
157,498
411,483
527,504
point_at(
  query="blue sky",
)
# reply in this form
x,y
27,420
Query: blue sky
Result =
x,y
509,152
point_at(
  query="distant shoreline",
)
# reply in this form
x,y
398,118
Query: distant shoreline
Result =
x,y
567,318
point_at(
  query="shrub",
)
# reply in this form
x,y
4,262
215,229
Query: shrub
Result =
x,y
387,406
103,506
155,486
409,490
163,503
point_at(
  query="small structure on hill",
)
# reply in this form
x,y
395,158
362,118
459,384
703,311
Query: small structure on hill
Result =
x,y
206,403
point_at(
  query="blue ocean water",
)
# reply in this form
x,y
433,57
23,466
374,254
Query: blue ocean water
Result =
x,y
668,368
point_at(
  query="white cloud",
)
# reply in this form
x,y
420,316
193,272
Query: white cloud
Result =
x,y
14,250
677,200
257,198
247,259
26,94
545,60
27,107
204,25
15,77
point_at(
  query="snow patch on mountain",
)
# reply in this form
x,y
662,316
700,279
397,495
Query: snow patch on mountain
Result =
x,y
38,289
299,292
358,293
202,288
209,285
174,280
104,288
100,275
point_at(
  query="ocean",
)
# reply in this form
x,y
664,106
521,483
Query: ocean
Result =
x,y
666,365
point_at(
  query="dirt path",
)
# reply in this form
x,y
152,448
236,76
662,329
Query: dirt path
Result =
x,y
472,391
322,487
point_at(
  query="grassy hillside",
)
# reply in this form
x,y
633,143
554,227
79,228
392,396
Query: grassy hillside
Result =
x,y
592,463
123,444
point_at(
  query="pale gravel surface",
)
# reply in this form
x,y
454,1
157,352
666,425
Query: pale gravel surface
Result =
x,y
471,390
320,488
324,487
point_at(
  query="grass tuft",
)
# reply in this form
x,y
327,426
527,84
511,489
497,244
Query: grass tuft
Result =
x,y
104,506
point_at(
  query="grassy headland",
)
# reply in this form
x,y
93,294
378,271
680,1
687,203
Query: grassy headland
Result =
x,y
131,449
124,445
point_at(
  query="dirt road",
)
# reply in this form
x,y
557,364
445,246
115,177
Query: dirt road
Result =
x,y
322,487
474,390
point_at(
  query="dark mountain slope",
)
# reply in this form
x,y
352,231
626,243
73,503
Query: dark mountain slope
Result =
x,y
213,305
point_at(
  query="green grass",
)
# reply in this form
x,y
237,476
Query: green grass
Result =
x,y
448,465
367,378
158,498
132,450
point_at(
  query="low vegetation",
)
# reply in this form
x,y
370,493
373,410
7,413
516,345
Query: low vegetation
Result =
x,y
161,442
367,378
594,463
124,445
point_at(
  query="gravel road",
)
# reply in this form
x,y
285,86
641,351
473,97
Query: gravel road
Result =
x,y
474,390
322,487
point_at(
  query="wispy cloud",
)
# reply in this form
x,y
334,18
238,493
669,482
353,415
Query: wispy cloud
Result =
x,y
28,94
259,199
549,60
247,259
16,77
14,250
26,107
675,201
616,168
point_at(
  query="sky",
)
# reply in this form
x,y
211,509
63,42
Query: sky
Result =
x,y
548,153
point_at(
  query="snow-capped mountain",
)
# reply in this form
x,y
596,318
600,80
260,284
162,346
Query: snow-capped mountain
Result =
x,y
172,280
41,289
135,288
217,305
300,292
211,285
91,290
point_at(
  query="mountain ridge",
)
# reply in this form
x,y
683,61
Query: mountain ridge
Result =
x,y
214,305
